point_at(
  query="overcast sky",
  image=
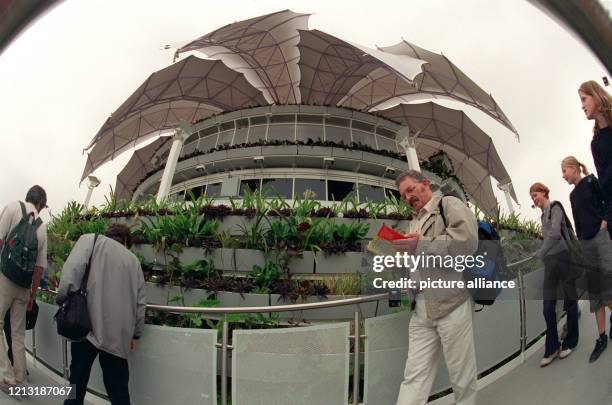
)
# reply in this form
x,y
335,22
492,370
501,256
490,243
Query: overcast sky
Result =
x,y
63,76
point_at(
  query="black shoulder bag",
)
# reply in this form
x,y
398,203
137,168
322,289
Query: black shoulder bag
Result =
x,y
72,316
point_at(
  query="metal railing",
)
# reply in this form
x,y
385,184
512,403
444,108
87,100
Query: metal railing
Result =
x,y
224,346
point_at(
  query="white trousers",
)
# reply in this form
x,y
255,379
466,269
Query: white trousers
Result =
x,y
454,335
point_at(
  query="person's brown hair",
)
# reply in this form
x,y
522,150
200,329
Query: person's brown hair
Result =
x,y
571,161
121,233
603,100
539,187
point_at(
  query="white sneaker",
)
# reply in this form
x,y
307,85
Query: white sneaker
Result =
x,y
564,353
547,360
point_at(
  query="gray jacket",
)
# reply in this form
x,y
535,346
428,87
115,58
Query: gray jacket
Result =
x,y
116,297
458,237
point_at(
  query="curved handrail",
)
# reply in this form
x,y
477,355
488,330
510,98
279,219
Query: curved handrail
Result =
x,y
273,308
281,308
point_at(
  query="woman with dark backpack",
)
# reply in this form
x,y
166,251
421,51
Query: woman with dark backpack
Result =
x,y
597,106
556,257
591,228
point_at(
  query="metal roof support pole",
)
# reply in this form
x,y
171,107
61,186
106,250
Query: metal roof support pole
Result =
x,y
506,189
407,143
93,182
166,181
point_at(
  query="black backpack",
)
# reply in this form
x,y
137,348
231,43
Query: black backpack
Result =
x,y
578,262
495,263
20,250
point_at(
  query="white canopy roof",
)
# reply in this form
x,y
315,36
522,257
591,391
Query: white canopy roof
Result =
x,y
276,59
470,149
189,90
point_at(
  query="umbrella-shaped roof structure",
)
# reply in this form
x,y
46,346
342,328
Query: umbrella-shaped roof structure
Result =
x,y
137,168
470,149
189,90
275,59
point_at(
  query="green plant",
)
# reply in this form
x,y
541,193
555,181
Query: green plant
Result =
x,y
398,206
350,235
304,207
255,236
197,320
265,277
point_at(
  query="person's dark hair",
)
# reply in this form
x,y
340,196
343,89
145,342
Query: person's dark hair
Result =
x,y
121,233
37,196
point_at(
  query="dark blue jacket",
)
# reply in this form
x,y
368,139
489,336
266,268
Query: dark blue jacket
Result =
x,y
587,207
601,148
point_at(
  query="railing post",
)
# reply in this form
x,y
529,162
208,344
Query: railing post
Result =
x,y
224,332
34,346
65,357
356,357
523,314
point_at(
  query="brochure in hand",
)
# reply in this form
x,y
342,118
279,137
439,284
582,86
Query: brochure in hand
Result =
x,y
381,244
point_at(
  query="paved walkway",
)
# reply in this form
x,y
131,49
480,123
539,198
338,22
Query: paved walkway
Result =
x,y
37,378
571,381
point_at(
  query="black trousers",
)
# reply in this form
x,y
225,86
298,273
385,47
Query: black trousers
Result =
x,y
114,370
7,334
557,286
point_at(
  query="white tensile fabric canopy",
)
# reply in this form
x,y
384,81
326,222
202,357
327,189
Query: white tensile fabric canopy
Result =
x,y
189,90
471,151
276,59
137,168
264,49
440,77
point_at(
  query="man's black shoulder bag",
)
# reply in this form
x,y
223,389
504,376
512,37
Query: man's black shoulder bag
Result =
x,y
72,316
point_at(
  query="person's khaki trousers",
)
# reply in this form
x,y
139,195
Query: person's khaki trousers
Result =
x,y
16,299
454,335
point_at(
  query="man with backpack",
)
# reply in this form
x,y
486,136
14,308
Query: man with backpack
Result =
x,y
442,318
23,247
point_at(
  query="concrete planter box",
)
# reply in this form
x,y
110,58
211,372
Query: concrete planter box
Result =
x,y
245,259
346,221
162,294
378,159
303,264
284,150
232,299
131,222
314,150
244,152
222,258
375,224
349,262
233,224
347,153
150,254
191,254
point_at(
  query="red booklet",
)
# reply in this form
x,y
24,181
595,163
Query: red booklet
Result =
x,y
387,233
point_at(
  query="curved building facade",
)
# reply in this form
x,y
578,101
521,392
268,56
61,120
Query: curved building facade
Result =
x,y
299,113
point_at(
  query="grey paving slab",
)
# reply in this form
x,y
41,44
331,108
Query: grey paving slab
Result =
x,y
570,381
37,378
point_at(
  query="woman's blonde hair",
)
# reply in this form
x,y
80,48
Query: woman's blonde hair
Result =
x,y
602,99
571,161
